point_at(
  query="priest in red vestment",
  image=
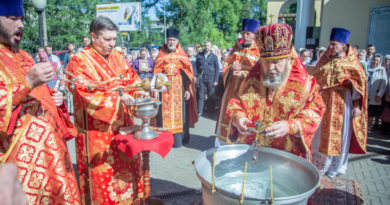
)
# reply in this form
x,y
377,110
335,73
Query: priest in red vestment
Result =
x,y
344,89
99,76
278,99
34,121
178,110
241,60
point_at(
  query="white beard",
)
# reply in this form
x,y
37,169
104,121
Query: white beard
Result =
x,y
275,81
171,48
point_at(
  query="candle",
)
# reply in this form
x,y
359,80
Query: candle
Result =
x,y
272,190
243,184
212,177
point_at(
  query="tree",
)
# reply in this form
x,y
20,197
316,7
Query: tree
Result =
x,y
198,20
259,10
216,20
67,21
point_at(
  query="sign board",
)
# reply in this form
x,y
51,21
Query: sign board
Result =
x,y
127,16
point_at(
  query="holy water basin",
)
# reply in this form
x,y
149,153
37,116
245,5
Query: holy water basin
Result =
x,y
294,178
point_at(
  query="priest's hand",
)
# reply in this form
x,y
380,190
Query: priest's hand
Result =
x,y
127,99
11,192
356,112
241,125
277,129
141,94
40,73
58,97
187,95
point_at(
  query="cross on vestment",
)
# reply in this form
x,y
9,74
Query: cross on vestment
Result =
x,y
171,68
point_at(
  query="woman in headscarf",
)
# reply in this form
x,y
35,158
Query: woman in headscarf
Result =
x,y
377,83
304,55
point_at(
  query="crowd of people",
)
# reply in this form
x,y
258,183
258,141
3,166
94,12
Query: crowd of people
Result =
x,y
319,107
208,82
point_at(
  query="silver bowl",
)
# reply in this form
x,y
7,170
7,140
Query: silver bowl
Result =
x,y
145,109
294,178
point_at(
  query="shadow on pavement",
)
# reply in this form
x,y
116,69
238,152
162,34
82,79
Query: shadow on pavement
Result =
x,y
210,115
200,142
383,161
172,193
378,144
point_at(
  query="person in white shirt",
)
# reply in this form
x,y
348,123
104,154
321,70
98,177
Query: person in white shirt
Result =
x,y
52,57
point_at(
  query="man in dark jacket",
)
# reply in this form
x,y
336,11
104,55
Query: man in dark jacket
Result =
x,y
207,68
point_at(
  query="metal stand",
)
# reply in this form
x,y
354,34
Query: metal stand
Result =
x,y
146,133
39,11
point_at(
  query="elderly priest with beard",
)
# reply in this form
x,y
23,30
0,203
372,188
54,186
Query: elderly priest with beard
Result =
x,y
277,98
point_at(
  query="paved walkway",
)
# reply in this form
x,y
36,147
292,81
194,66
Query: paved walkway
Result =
x,y
372,170
174,180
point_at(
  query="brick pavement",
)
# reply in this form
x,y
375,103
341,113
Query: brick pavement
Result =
x,y
372,170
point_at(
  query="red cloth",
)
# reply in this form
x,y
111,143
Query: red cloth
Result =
x,y
131,146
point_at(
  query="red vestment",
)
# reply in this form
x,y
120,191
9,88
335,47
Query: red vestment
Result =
x,y
296,101
173,65
34,133
247,58
335,75
106,174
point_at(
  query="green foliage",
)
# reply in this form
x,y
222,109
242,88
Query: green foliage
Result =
x,y
292,9
66,21
216,20
198,20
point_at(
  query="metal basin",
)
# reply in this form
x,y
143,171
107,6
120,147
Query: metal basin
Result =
x,y
145,107
294,178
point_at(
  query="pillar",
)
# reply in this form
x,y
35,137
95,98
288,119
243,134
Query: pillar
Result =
x,y
305,18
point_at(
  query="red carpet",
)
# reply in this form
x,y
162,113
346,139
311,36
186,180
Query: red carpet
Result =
x,y
337,191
